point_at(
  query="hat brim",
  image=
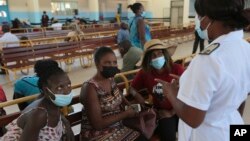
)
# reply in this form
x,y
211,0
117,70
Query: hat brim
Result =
x,y
171,50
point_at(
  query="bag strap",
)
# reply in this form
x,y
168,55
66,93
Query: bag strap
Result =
x,y
29,83
131,23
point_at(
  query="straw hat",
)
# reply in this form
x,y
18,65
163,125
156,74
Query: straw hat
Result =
x,y
156,44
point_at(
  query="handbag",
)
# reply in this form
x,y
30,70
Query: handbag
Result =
x,y
145,122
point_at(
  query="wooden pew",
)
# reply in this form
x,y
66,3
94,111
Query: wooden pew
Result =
x,y
56,33
16,59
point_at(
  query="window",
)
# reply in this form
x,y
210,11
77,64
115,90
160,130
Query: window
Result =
x,y
3,2
3,14
64,7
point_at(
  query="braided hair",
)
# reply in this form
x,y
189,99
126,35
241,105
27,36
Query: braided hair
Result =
x,y
44,69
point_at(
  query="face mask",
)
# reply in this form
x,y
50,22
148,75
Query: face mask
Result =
x,y
109,71
61,100
158,63
203,33
143,14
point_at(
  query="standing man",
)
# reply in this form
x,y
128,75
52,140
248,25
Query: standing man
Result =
x,y
198,39
45,19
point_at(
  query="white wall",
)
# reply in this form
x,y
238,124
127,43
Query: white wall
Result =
x,y
186,20
109,7
158,6
154,8
18,9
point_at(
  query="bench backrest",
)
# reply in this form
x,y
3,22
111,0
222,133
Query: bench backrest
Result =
x,y
56,33
16,54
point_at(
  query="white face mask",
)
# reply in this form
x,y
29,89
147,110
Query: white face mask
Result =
x,y
204,33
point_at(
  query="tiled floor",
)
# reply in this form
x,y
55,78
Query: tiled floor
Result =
x,y
78,75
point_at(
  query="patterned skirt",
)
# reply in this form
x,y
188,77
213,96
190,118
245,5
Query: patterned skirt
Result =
x,y
122,134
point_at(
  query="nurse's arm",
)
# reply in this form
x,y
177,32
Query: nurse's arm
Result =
x,y
190,115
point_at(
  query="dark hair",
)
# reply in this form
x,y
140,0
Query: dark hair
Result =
x,y
24,38
124,26
100,52
6,28
44,12
230,12
146,62
44,69
135,7
125,44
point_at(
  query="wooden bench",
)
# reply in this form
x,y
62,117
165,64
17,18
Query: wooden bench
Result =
x,y
16,59
56,33
31,35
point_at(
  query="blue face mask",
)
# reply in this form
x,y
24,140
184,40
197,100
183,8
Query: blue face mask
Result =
x,y
203,33
61,100
158,63
143,14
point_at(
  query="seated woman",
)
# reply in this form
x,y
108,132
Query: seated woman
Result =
x,y
42,120
102,114
27,86
157,63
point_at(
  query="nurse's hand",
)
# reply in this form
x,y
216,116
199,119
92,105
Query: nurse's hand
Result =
x,y
176,77
169,89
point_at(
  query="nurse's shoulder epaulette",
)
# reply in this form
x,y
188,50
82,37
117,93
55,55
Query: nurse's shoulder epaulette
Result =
x,y
208,50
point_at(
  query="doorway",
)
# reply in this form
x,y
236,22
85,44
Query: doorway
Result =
x,y
4,11
176,14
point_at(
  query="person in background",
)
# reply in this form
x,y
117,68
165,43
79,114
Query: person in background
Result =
x,y
103,114
212,91
7,40
45,19
28,85
157,63
55,88
118,18
123,33
2,95
2,111
198,37
139,31
56,25
24,41
75,31
131,55
2,99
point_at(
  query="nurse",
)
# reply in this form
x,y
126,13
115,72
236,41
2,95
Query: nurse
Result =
x,y
217,82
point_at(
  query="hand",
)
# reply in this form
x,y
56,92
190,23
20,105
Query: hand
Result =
x,y
131,112
169,89
177,78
